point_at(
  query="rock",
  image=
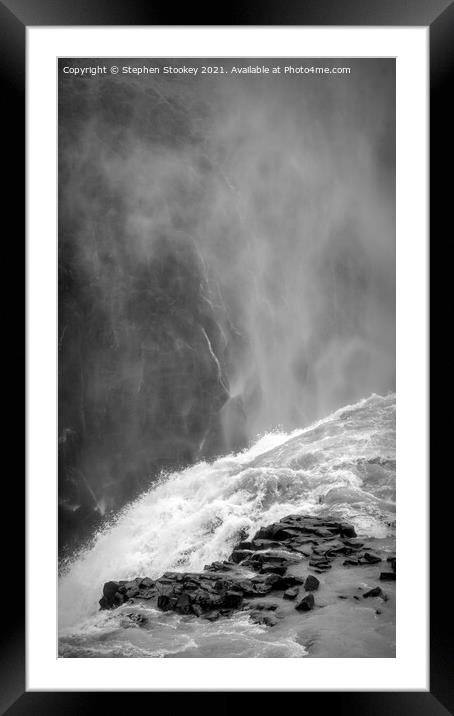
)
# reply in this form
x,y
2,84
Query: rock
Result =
x,y
147,593
166,602
222,585
392,561
347,530
279,557
136,618
375,592
311,584
323,532
306,551
233,599
354,544
291,593
316,561
114,595
246,586
224,566
266,532
184,604
342,549
306,604
321,566
245,544
388,576
146,583
109,590
264,606
211,616
197,610
132,592
371,558
266,544
378,611
284,533
287,581
350,563
269,568
261,618
208,601
304,540
238,555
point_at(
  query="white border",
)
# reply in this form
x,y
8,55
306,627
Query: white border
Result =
x,y
409,670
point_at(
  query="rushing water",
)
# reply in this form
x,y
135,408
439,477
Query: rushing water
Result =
x,y
342,466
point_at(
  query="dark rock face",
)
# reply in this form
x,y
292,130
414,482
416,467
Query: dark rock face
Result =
x,y
116,431
375,592
142,359
291,593
306,604
388,576
223,588
311,584
261,618
371,558
110,589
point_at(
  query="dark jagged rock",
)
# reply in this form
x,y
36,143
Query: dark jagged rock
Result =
x,y
265,606
350,563
110,589
146,583
219,566
311,584
238,555
269,567
260,618
245,544
256,569
388,576
184,604
306,604
375,592
291,593
372,558
346,530
287,581
211,616
137,618
355,544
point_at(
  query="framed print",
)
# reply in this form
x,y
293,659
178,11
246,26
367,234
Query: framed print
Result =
x,y
227,316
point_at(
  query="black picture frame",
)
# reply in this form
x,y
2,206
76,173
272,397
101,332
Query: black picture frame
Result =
x,y
15,17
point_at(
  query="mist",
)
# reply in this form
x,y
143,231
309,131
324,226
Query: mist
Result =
x,y
227,264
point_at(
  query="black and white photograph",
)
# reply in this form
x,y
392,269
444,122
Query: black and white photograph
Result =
x,y
226,357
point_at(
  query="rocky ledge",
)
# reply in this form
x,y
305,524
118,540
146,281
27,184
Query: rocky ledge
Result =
x,y
268,565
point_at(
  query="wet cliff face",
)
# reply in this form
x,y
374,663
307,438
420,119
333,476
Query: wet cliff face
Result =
x,y
140,393
142,359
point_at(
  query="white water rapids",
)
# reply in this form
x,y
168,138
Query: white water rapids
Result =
x,y
343,465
